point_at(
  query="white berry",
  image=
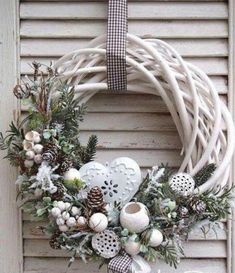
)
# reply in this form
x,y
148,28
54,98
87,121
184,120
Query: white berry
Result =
x,y
30,155
28,163
67,205
55,212
65,215
72,174
63,228
38,148
71,222
60,221
38,159
53,190
81,222
75,211
61,205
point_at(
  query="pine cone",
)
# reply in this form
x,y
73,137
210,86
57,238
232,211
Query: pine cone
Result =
x,y
59,194
183,212
50,152
54,241
65,164
198,206
95,200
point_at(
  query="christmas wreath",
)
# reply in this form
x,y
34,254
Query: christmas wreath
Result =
x,y
106,212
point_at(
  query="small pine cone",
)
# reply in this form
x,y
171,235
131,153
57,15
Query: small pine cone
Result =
x,y
95,200
198,206
183,211
59,194
65,164
50,152
54,241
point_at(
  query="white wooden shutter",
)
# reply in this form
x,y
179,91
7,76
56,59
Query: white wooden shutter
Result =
x,y
138,126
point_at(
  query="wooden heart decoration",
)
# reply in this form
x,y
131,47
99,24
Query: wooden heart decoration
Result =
x,y
118,180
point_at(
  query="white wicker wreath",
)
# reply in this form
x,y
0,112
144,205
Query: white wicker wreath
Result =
x,y
203,122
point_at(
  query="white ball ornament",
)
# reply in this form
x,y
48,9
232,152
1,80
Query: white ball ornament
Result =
x,y
134,217
132,248
28,163
33,136
60,221
75,211
98,222
63,228
38,148
65,215
71,222
28,145
72,174
30,155
156,238
55,212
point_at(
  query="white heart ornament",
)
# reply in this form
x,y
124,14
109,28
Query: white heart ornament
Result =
x,y
118,180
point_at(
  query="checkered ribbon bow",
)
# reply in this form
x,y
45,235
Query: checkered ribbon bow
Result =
x,y
116,45
120,264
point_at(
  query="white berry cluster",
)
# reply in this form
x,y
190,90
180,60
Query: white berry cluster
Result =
x,y
33,149
66,215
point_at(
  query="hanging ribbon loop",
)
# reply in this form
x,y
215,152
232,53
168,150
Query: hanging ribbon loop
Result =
x,y
116,45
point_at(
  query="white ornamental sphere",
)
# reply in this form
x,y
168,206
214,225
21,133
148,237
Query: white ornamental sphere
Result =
x,y
38,159
132,248
72,174
156,238
61,205
71,222
55,212
28,163
63,228
65,215
75,211
81,222
98,222
30,155
60,221
134,217
28,145
38,148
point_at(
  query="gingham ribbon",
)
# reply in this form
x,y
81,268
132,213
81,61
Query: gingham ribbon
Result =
x,y
120,264
116,45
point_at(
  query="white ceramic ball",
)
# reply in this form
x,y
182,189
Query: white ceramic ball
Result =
x,y
30,155
81,222
63,228
71,222
134,217
98,222
60,221
72,174
75,211
38,159
28,163
38,148
32,135
156,238
37,139
61,205
65,215
55,212
132,248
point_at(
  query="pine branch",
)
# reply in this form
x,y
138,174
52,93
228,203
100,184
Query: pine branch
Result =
x,y
91,148
204,174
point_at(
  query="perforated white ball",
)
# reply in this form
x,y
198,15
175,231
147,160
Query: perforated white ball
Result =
x,y
182,184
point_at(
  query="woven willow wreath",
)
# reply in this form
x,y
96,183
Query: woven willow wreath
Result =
x,y
202,120
109,212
